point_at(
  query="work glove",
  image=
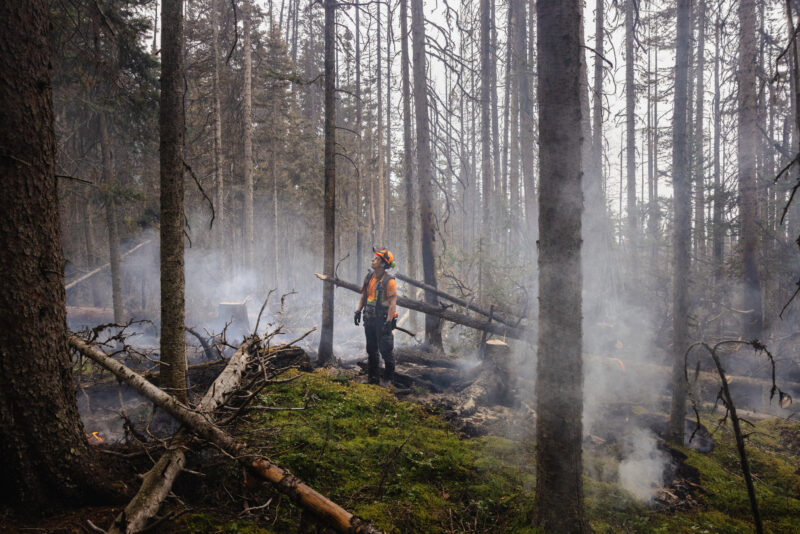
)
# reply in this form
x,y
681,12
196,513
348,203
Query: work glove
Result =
x,y
357,317
388,326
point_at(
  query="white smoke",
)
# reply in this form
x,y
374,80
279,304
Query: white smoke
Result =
x,y
641,471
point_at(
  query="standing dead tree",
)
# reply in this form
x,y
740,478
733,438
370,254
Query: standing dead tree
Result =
x,y
730,410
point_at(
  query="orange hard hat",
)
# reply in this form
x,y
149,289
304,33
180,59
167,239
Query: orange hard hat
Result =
x,y
386,256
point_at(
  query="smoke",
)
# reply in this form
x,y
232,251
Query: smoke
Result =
x,y
641,471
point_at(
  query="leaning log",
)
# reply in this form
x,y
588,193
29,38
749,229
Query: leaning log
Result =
x,y
448,315
469,305
70,285
298,491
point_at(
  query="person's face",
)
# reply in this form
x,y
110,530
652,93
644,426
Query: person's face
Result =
x,y
377,263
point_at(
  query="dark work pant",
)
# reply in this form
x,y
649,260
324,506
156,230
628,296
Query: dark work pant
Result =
x,y
377,341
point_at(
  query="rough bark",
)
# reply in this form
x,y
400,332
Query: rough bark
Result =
x,y
486,140
247,140
682,216
559,503
171,123
433,329
746,144
327,511
46,459
329,221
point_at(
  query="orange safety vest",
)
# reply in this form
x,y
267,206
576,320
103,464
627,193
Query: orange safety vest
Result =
x,y
377,291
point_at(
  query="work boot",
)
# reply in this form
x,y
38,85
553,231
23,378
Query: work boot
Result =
x,y
388,371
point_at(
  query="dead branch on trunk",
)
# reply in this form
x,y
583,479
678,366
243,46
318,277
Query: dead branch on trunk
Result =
x,y
730,410
448,315
299,492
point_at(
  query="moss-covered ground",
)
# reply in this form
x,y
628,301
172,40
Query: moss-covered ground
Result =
x,y
401,466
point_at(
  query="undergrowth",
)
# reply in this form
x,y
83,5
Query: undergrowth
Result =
x,y
400,466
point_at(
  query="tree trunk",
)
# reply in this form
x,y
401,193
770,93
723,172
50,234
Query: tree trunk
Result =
x,y
379,179
486,142
699,172
247,123
171,124
748,136
46,459
716,227
387,205
681,203
219,183
111,220
433,327
326,334
526,139
359,156
518,52
559,372
632,229
408,161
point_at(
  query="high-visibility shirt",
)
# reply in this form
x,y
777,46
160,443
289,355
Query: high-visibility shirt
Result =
x,y
379,291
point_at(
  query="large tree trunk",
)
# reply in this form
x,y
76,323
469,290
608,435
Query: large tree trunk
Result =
x,y
518,52
329,218
171,123
433,327
247,123
716,227
380,209
681,203
111,220
46,458
559,370
746,155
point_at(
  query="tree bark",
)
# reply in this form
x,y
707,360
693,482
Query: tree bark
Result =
x,y
486,142
380,209
699,163
329,239
46,458
433,328
682,215
632,219
171,123
247,123
219,181
526,139
412,242
746,144
559,503
716,228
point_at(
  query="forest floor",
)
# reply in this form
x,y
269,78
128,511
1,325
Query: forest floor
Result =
x,y
402,465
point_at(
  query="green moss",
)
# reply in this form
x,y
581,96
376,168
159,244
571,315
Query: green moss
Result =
x,y
400,466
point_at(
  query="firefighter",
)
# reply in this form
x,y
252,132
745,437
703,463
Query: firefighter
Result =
x,y
379,305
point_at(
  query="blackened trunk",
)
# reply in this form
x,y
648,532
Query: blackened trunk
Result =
x,y
408,161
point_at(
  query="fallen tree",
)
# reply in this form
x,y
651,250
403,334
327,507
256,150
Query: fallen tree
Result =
x,y
469,305
448,315
261,468
93,272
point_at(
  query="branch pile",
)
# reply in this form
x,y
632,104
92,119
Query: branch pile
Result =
x,y
253,366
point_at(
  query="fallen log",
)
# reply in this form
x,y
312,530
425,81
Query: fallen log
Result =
x,y
158,482
448,315
420,357
88,275
298,491
469,305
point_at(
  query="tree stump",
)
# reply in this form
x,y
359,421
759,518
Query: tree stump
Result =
x,y
494,384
